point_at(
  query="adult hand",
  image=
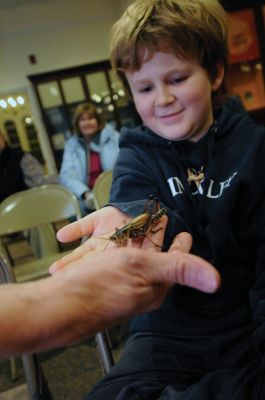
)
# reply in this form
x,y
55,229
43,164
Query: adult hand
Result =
x,y
100,289
140,277
112,285
100,224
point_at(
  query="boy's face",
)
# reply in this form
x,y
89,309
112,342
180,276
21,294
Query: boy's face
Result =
x,y
173,96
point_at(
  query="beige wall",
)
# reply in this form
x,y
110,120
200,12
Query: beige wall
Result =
x,y
61,33
120,5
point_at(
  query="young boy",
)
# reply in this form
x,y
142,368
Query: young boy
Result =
x,y
206,167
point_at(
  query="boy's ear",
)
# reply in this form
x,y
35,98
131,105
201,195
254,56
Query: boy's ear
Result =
x,y
218,79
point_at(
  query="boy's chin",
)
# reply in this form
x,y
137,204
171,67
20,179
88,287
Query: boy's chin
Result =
x,y
172,135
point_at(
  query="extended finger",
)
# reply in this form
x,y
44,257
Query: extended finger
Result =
x,y
76,230
182,242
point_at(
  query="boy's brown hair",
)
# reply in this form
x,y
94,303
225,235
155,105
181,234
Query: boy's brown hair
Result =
x,y
91,110
193,29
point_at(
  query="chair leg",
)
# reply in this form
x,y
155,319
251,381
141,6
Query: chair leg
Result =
x,y
37,386
13,369
105,354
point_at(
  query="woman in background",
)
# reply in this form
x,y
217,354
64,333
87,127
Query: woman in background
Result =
x,y
92,149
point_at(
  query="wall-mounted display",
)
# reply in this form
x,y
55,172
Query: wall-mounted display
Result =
x,y
245,74
242,38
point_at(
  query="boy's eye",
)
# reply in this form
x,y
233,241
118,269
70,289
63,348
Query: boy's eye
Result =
x,y
178,79
145,89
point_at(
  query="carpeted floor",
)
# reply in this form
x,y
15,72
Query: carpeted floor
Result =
x,y
70,372
17,393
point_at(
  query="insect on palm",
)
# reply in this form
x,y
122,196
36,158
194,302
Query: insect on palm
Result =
x,y
140,226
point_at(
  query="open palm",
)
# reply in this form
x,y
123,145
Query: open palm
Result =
x,y
96,228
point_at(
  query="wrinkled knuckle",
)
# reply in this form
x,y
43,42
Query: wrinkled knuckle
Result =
x,y
134,258
129,257
181,271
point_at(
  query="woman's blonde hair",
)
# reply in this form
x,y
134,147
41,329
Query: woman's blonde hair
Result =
x,y
194,29
91,110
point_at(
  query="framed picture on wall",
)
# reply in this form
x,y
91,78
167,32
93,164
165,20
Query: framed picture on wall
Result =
x,y
242,37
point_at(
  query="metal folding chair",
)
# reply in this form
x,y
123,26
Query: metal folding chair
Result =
x,y
37,208
101,192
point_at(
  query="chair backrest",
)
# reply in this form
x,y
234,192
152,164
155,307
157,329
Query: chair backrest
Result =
x,y
101,189
37,206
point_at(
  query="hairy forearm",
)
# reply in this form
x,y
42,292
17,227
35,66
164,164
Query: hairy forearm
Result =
x,y
44,314
98,290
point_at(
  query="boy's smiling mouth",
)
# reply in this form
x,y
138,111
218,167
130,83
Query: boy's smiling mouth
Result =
x,y
170,116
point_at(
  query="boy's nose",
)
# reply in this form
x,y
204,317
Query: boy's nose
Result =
x,y
164,97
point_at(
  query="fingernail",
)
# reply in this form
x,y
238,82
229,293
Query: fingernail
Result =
x,y
208,281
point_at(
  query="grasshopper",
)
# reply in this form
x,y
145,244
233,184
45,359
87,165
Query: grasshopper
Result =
x,y
141,225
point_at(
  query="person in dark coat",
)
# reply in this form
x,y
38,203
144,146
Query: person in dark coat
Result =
x,y
19,170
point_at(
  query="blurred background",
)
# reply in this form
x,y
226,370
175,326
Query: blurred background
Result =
x,y
54,55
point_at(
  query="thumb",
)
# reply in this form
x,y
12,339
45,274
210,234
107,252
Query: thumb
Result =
x,y
186,269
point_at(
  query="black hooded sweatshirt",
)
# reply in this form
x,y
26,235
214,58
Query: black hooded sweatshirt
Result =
x,y
225,215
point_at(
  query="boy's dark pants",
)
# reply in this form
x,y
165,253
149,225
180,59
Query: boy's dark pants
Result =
x,y
150,369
